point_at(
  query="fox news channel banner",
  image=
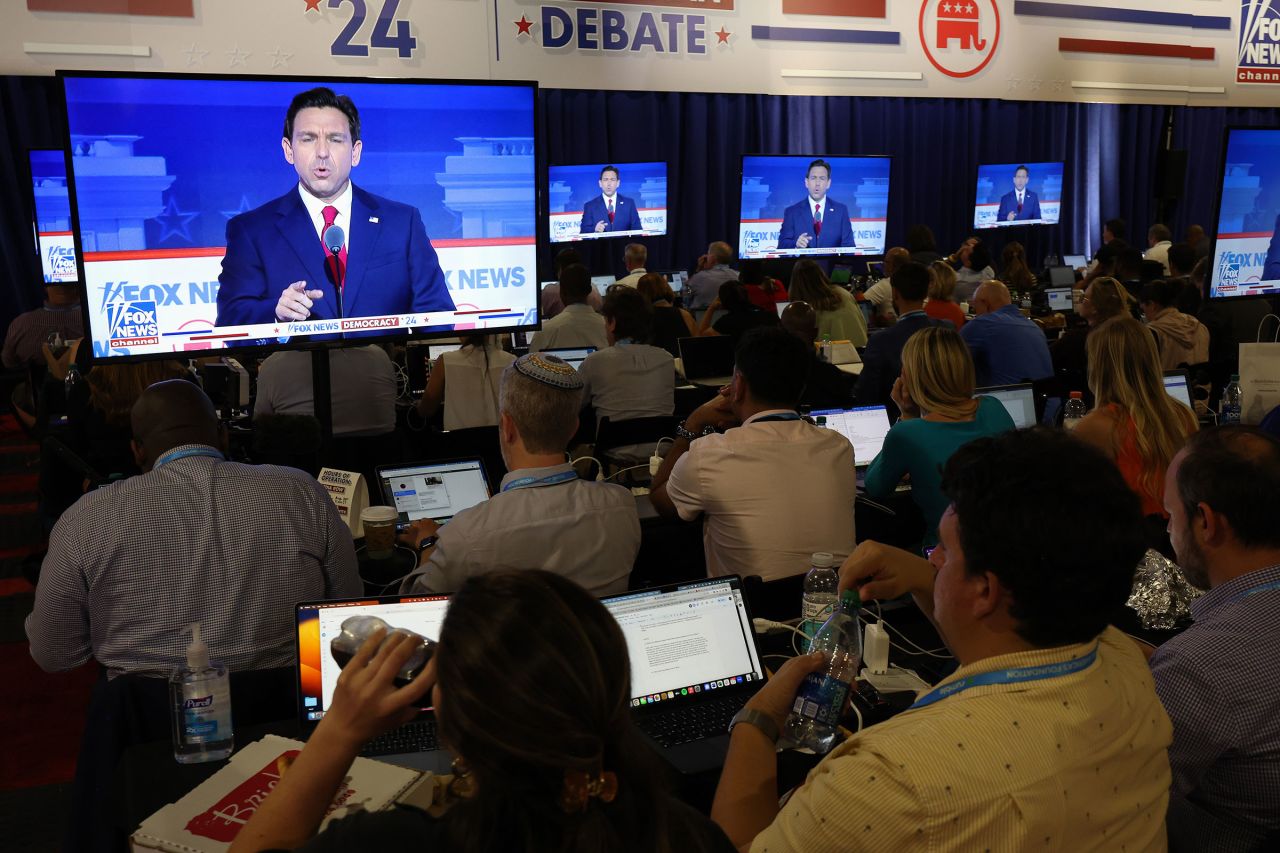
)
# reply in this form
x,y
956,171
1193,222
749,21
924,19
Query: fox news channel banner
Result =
x,y
997,204
162,165
1246,255
51,207
578,196
779,194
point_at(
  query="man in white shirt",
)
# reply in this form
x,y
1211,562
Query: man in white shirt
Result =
x,y
362,387
1159,239
774,487
578,325
634,257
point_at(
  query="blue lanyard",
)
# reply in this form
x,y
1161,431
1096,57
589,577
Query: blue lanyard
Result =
x,y
781,416
533,482
1008,676
175,455
1254,590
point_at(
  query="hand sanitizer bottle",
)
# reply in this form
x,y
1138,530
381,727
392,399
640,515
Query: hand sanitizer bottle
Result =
x,y
201,696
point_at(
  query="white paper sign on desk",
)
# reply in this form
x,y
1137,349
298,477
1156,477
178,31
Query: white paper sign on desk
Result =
x,y
350,495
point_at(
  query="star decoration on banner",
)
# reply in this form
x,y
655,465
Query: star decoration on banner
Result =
x,y
312,6
173,222
524,27
723,35
238,56
244,206
279,57
195,56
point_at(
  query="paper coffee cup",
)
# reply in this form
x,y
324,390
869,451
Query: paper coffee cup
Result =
x,y
379,530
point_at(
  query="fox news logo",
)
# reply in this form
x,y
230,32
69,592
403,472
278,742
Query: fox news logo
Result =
x,y
1259,57
62,261
132,323
1228,275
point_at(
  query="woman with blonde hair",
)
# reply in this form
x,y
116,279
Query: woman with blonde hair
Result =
x,y
939,416
942,286
839,316
1135,421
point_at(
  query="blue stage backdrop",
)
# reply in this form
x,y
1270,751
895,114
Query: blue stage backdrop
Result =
x,y
570,188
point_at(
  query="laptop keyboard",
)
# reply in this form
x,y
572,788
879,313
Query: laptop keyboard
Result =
x,y
702,719
418,736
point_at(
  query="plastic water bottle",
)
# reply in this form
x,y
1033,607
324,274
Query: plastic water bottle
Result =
x,y
1075,410
820,702
1026,300
201,697
819,599
824,352
71,381
1232,399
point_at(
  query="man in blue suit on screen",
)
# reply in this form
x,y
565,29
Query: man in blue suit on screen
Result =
x,y
327,249
1271,266
817,222
1020,203
610,211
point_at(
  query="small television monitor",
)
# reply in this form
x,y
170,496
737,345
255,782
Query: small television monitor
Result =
x,y
51,215
601,200
197,211
1246,252
798,206
1011,194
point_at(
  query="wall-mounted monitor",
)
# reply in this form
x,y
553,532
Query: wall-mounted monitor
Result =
x,y
51,212
211,214
797,206
1011,194
1246,253
601,200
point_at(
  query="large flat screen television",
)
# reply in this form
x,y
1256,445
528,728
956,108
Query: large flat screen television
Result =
x,y
601,200
51,215
1012,194
1246,253
804,205
203,223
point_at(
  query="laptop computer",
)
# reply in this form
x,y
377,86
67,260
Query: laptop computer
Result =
x,y
781,306
603,282
864,426
1059,299
707,360
574,356
1075,261
678,279
1178,387
1018,400
316,623
694,664
1061,276
436,490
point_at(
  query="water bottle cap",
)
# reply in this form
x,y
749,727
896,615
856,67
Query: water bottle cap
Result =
x,y
1077,395
850,600
1235,377
822,559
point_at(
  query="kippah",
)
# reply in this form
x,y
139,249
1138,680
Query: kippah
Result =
x,y
549,370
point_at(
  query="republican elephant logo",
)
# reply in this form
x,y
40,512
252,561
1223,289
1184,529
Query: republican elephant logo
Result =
x,y
960,21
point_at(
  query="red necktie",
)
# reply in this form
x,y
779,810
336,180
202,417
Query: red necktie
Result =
x,y
338,265
1019,205
611,213
817,220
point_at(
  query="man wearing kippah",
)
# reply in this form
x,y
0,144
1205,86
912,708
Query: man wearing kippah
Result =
x,y
544,516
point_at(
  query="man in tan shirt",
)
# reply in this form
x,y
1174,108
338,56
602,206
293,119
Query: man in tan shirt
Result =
x,y
1049,736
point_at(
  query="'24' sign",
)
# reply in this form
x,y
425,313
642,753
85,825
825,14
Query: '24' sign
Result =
x,y
402,41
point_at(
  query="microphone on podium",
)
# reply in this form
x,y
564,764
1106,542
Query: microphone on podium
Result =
x,y
333,237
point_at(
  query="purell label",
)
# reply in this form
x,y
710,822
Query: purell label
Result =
x,y
197,702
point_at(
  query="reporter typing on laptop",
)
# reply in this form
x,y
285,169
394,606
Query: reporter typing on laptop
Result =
x,y
531,688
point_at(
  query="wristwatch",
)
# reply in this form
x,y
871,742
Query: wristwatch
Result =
x,y
760,720
689,435
427,542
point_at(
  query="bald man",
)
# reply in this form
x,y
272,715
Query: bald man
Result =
x,y
880,294
1007,347
713,270
827,387
193,539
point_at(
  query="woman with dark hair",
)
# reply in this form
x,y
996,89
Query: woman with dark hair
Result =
x,y
740,315
476,368
532,690
839,316
921,245
1014,271
764,291
670,323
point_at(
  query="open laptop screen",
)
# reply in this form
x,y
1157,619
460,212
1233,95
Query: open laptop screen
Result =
x,y
1075,261
1175,382
1019,400
318,622
686,639
435,490
1059,299
602,283
864,426
573,357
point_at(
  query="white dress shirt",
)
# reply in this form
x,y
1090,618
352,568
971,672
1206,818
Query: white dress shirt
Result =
x,y
315,208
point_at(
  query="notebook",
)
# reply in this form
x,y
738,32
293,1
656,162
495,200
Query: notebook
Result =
x,y
1018,400
1175,382
864,426
707,360
694,664
435,490
1059,299
316,623
574,356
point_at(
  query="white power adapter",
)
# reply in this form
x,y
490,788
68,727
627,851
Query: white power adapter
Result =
x,y
655,462
875,648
